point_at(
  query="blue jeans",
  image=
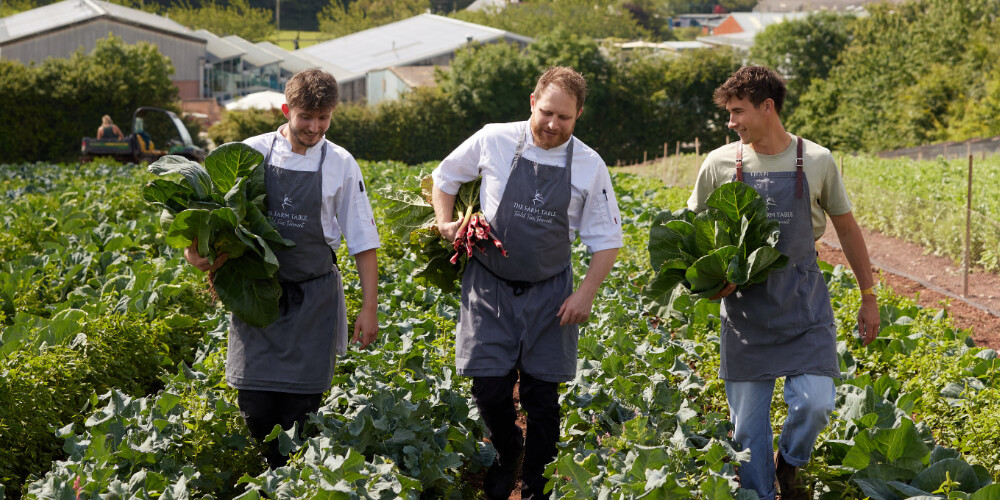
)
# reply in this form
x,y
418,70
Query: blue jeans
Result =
x,y
810,400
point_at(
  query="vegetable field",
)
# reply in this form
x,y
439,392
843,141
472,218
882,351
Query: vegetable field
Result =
x,y
113,382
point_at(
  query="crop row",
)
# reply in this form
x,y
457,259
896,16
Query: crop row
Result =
x,y
646,414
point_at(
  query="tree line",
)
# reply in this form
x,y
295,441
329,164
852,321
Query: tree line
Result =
x,y
907,74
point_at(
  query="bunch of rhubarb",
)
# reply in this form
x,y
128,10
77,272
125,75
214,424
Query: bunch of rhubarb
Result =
x,y
411,216
475,233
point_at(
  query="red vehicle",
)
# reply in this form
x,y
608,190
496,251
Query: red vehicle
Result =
x,y
155,132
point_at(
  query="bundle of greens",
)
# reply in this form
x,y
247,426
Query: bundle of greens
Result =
x,y
222,205
410,215
732,241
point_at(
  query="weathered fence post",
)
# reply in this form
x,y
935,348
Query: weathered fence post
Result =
x,y
968,234
920,152
841,166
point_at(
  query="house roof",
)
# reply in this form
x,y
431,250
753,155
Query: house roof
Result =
x,y
219,49
67,13
255,55
676,46
813,5
401,43
293,63
479,5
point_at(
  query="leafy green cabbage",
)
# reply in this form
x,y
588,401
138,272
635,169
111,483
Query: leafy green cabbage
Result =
x,y
222,204
732,241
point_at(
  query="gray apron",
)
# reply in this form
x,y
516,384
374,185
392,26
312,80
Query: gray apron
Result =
x,y
509,304
784,325
297,352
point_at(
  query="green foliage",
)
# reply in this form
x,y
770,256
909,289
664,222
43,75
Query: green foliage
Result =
x,y
339,18
600,19
912,75
490,83
114,79
222,207
646,414
231,17
803,50
927,206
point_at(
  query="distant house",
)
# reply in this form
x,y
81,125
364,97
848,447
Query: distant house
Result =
x,y
423,40
814,5
739,29
390,83
489,5
60,29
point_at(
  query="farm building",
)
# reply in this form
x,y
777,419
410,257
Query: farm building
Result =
x,y
423,40
738,29
60,29
388,84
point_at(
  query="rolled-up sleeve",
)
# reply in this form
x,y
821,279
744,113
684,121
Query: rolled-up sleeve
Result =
x,y
461,166
354,212
600,225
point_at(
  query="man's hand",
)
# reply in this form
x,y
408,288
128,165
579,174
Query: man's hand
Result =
x,y
202,263
449,230
366,326
576,308
868,319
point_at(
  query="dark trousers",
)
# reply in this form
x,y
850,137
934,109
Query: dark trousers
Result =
x,y
262,410
494,397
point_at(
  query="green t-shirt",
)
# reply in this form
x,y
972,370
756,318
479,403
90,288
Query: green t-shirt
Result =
x,y
825,184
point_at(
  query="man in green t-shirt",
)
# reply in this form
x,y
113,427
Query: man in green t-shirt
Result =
x,y
783,327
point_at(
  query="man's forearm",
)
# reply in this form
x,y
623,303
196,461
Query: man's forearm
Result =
x,y
367,264
444,205
600,265
855,250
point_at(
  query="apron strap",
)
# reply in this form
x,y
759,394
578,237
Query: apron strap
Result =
x,y
520,146
799,175
798,167
739,160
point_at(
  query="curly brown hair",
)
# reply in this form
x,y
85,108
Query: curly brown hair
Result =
x,y
566,79
756,83
312,89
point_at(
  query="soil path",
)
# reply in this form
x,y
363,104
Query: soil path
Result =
x,y
930,280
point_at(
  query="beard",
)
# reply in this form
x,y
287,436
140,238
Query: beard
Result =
x,y
545,140
300,137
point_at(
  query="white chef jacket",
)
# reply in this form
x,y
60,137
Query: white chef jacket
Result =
x,y
346,210
593,208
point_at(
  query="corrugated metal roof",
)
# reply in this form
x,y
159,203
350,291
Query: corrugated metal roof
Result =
x,y
217,48
69,12
401,43
293,63
254,55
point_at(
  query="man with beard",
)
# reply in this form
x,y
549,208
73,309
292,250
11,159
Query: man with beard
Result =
x,y
519,313
315,195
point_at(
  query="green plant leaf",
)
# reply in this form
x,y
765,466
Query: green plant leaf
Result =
x,y
194,174
708,273
231,161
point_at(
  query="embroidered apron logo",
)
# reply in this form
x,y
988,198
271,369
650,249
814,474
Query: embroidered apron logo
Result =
x,y
286,204
533,214
537,200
